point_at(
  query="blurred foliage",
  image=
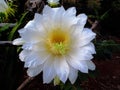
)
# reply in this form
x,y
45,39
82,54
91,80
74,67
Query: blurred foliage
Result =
x,y
116,5
10,12
4,28
12,32
106,48
94,4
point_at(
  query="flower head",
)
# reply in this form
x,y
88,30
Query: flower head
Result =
x,y
57,43
5,8
53,2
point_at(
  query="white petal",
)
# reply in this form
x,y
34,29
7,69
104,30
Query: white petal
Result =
x,y
38,20
78,64
33,23
80,54
23,54
91,65
59,10
29,35
48,71
57,17
34,71
3,6
62,68
48,17
73,75
75,28
28,46
58,13
37,17
82,19
75,33
71,11
36,23
35,58
68,18
86,37
81,37
36,46
18,41
91,48
30,24
87,49
47,10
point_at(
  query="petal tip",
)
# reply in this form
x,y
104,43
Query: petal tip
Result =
x,y
18,41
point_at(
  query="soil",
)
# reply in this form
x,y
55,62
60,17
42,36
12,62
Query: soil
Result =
x,y
108,77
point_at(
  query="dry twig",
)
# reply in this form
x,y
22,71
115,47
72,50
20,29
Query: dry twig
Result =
x,y
10,24
28,80
6,43
94,25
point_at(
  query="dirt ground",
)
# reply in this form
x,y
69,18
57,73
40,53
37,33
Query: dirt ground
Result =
x,y
108,77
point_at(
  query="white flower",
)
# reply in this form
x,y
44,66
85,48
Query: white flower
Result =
x,y
53,2
57,43
5,8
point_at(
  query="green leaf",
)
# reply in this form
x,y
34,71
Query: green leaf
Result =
x,y
105,49
105,15
11,35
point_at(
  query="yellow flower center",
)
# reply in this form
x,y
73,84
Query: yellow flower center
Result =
x,y
58,41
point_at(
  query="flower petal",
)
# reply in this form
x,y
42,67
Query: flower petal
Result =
x,y
34,71
73,75
3,6
53,17
47,10
80,54
91,48
35,23
18,41
61,68
29,35
28,46
23,54
78,64
48,71
86,36
91,65
71,11
35,59
82,19
88,49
